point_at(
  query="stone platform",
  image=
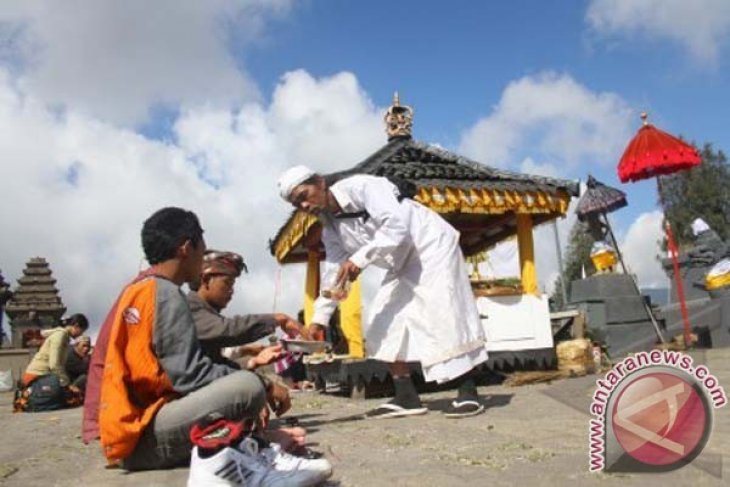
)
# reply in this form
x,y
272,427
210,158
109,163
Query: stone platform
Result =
x,y
531,435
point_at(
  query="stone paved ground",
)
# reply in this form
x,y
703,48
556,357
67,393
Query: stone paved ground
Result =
x,y
530,435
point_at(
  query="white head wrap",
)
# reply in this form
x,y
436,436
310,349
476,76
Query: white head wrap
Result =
x,y
291,178
699,226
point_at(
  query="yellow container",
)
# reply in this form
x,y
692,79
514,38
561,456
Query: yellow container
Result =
x,y
716,282
603,260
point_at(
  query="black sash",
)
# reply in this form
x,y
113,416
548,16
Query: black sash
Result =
x,y
356,214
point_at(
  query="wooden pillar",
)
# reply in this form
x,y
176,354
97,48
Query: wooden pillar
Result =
x,y
351,321
311,287
527,254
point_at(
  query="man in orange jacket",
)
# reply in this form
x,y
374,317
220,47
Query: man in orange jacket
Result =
x,y
149,381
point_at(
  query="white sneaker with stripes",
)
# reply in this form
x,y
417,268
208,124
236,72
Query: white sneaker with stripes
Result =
x,y
246,466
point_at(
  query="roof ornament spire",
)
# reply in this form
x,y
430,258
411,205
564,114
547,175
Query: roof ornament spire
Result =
x,y
398,120
644,116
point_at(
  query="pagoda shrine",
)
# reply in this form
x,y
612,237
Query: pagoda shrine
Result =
x,y
485,204
35,304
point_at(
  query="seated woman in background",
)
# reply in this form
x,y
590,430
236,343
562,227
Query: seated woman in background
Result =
x,y
45,386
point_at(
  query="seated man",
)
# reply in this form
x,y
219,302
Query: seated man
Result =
x,y
208,298
149,382
77,362
215,331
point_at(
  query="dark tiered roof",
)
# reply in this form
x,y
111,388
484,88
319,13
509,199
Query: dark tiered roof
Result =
x,y
431,170
429,165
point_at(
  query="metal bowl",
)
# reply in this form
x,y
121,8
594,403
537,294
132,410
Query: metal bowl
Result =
x,y
306,346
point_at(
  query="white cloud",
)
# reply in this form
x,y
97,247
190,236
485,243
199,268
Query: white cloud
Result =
x,y
529,166
117,60
551,117
76,190
700,26
640,249
556,118
326,124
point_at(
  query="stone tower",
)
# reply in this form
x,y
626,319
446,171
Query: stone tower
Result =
x,y
35,303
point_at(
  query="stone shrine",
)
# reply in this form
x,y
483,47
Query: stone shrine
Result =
x,y
35,304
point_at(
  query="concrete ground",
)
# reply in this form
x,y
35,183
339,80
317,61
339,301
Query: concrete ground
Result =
x,y
530,435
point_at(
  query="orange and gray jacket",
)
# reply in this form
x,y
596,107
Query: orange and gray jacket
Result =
x,y
147,354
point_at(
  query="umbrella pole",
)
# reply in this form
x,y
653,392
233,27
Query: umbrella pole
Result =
x,y
674,253
678,278
654,323
615,242
559,252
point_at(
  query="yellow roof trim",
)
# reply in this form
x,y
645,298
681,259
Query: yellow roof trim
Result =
x,y
449,200
295,230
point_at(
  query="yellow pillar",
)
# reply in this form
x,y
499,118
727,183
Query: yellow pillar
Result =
x,y
351,321
527,254
311,288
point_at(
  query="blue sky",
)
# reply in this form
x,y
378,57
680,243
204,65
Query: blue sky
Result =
x,y
110,110
452,60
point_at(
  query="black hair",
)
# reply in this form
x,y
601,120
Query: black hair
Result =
x,y
78,319
166,230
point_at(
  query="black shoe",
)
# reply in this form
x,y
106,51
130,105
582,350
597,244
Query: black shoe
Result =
x,y
463,409
393,410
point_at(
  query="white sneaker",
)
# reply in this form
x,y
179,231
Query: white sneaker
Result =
x,y
282,461
243,467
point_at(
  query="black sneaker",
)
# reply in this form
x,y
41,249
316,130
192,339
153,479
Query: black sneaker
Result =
x,y
463,409
393,410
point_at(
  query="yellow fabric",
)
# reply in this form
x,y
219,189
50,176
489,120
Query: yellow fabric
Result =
x,y
603,260
351,321
527,254
716,282
311,288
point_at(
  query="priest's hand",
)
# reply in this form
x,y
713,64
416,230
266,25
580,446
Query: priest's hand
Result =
x,y
347,272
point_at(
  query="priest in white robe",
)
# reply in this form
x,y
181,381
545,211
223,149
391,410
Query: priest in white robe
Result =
x,y
424,311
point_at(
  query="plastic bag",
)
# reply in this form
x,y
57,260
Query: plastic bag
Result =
x,y
6,380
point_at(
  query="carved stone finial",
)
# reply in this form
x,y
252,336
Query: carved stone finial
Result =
x,y
398,119
644,116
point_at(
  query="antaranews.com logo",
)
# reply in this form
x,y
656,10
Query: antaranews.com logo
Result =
x,y
652,413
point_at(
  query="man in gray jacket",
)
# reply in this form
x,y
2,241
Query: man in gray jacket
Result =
x,y
215,331
207,299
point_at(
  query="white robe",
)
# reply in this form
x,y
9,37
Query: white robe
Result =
x,y
424,310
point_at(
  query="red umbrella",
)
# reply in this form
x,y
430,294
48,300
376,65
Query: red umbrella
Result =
x,y
651,153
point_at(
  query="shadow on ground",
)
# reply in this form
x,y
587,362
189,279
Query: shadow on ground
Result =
x,y
490,401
